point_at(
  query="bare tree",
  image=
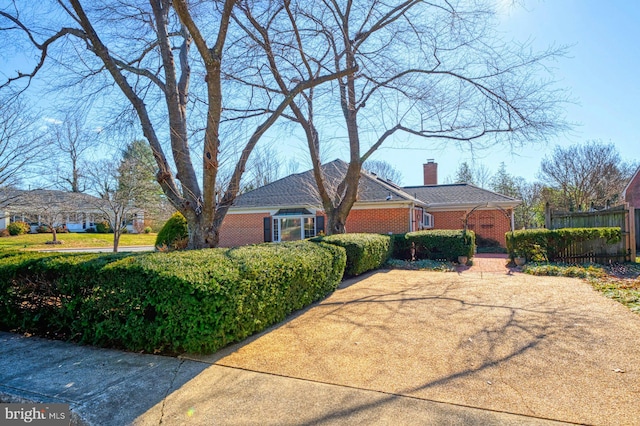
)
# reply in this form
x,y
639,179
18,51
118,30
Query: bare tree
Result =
x,y
20,142
385,170
530,213
433,70
124,193
481,175
264,167
585,175
72,141
145,51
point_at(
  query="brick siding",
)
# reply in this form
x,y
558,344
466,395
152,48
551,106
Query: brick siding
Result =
x,y
242,229
492,224
380,221
632,196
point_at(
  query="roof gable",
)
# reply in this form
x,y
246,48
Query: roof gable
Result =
x,y
300,189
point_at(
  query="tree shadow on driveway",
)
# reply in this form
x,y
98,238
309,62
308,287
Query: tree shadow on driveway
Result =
x,y
543,347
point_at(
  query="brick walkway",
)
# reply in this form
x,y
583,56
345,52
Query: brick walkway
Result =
x,y
488,263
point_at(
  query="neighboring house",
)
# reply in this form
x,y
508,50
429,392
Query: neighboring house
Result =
x,y
290,208
631,192
631,195
75,211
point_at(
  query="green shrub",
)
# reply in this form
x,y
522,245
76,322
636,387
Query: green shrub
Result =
x,y
401,247
442,244
18,228
196,301
365,252
544,245
103,227
147,229
173,233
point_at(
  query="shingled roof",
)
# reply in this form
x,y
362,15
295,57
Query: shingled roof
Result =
x,y
22,200
459,194
300,189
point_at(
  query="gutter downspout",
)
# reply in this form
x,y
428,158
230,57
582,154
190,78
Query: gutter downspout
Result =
x,y
411,218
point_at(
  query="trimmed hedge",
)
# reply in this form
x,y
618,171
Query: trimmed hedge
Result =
x,y
540,245
174,231
442,244
194,301
401,247
364,251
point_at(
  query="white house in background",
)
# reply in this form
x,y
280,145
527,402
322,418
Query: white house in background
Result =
x,y
76,211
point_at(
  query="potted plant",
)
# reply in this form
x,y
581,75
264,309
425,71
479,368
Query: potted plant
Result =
x,y
519,258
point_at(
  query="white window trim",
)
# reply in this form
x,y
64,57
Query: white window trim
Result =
x,y
276,230
427,220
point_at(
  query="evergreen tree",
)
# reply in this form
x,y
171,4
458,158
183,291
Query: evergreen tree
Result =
x,y
464,174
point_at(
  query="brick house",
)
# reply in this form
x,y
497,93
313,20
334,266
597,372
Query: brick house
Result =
x,y
631,192
77,212
290,208
631,195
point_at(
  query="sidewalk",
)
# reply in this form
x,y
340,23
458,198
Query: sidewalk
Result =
x,y
103,387
113,388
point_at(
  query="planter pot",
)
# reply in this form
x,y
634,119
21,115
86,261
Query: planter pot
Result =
x,y
462,260
520,261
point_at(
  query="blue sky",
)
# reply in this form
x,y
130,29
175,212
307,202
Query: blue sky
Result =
x,y
600,71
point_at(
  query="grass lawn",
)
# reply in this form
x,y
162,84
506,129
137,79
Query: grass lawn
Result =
x,y
73,240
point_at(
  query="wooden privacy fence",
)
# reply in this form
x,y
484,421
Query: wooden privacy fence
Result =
x,y
597,251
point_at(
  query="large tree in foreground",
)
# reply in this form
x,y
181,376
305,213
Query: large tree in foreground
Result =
x,y
436,71
165,58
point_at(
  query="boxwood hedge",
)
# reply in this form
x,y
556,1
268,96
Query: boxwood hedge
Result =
x,y
364,251
547,244
195,301
441,244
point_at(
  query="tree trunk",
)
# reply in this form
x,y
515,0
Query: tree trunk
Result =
x,y
55,235
336,225
116,239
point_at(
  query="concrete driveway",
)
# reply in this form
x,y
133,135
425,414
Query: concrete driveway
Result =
x,y
407,347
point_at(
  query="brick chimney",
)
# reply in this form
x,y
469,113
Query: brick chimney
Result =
x,y
430,169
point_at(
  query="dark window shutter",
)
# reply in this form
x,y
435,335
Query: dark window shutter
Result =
x,y
267,229
319,224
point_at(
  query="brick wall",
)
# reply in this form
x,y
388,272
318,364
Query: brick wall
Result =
x,y
485,223
381,221
632,195
242,229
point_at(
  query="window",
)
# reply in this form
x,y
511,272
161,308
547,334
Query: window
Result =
x,y
309,227
427,220
293,228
